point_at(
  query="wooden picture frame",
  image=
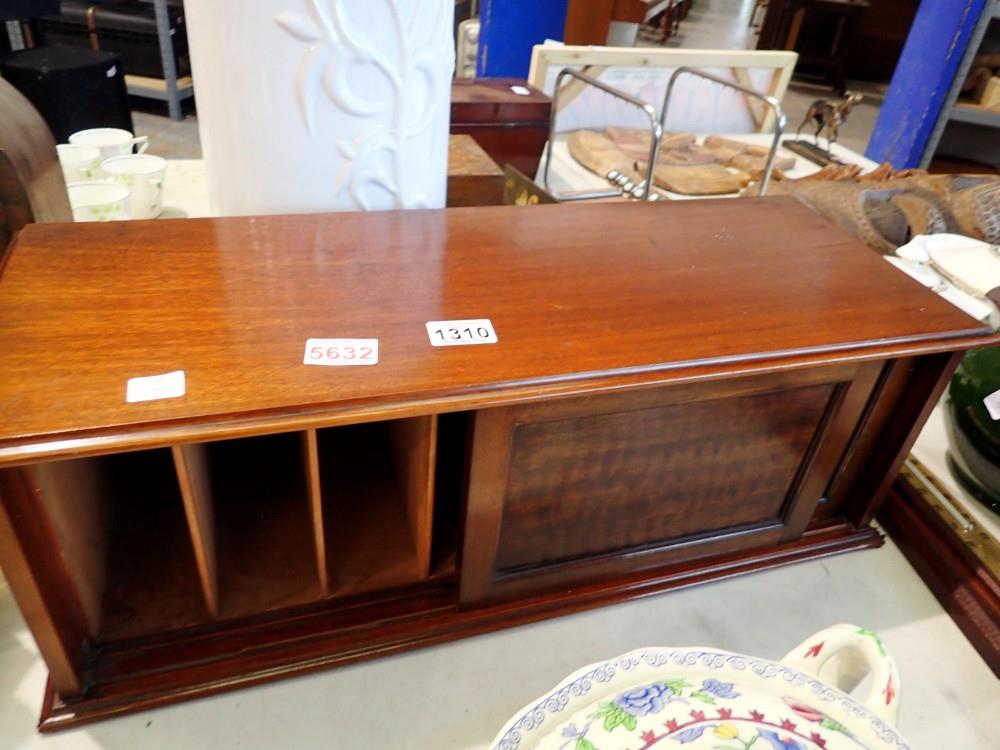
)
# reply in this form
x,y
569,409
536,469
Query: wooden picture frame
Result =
x,y
768,71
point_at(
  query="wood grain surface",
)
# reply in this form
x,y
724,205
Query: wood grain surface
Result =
x,y
414,449
153,579
264,522
706,368
615,480
574,490
512,126
492,101
580,296
41,583
74,495
377,503
474,179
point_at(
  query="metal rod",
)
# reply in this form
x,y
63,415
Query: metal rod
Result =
x,y
655,126
780,121
167,57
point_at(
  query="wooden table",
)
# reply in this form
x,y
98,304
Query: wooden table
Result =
x,y
474,179
678,393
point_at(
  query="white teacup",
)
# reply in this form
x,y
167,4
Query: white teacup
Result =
x,y
143,175
78,163
98,201
110,141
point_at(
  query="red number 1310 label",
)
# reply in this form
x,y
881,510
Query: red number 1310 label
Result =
x,y
341,352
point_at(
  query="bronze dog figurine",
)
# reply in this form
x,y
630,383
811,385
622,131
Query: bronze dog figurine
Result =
x,y
829,115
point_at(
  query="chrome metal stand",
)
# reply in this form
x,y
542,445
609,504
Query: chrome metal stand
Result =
x,y
168,89
655,128
780,121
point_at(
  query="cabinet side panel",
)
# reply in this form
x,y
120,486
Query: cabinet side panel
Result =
x,y
41,584
914,403
877,414
903,399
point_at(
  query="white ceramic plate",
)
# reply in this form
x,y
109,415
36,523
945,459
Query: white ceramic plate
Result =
x,y
687,698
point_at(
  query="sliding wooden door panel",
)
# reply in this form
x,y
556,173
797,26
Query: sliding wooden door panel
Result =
x,y
582,488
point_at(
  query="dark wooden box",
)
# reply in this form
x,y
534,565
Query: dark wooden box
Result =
x,y
511,127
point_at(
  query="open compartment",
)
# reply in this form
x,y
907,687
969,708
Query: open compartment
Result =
x,y
450,479
249,513
120,526
377,483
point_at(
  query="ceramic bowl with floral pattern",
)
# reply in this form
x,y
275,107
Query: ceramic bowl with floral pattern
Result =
x,y
707,699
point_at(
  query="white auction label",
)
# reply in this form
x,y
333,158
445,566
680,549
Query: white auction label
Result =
x,y
461,332
153,387
992,404
341,352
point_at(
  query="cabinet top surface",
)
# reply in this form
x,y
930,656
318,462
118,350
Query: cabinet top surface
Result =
x,y
577,293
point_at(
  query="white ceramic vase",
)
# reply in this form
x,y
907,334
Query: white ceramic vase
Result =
x,y
323,105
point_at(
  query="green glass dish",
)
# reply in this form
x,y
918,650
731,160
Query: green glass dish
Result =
x,y
973,435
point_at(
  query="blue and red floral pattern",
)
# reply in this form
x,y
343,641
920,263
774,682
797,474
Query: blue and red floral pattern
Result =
x,y
740,731
707,712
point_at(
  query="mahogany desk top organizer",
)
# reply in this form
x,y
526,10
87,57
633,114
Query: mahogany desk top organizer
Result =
x,y
676,393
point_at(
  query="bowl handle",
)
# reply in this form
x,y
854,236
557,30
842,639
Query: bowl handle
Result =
x,y
851,653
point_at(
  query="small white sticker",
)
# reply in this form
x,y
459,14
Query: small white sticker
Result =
x,y
992,404
521,90
461,332
153,387
341,352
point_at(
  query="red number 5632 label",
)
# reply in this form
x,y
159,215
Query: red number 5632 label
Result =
x,y
341,352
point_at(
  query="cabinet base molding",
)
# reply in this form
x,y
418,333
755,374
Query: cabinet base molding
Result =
x,y
148,673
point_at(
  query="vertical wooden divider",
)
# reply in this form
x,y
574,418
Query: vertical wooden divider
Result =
x,y
414,446
74,496
310,455
191,462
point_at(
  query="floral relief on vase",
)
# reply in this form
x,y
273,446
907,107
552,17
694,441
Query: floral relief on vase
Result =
x,y
380,62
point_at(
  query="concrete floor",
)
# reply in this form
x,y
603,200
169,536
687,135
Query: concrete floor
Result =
x,y
167,138
725,24
717,24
